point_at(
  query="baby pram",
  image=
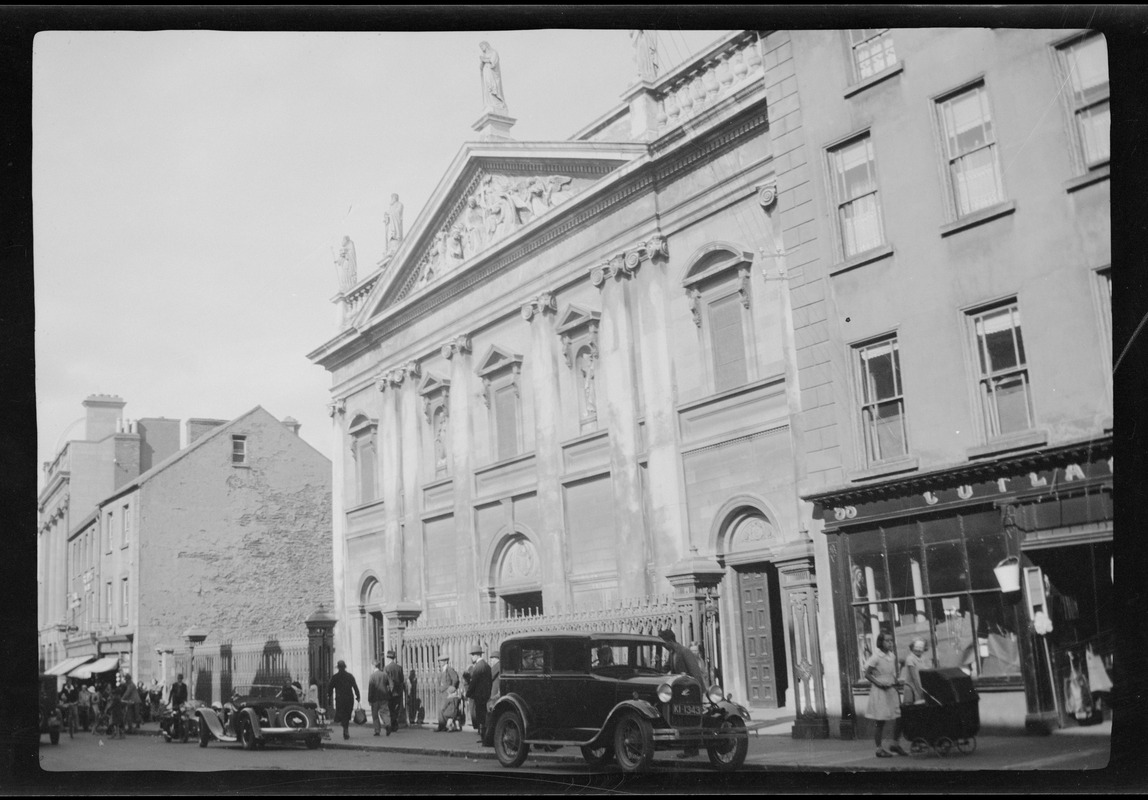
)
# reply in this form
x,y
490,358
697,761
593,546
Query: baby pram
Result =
x,y
949,717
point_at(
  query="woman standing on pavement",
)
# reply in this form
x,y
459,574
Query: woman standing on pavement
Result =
x,y
884,701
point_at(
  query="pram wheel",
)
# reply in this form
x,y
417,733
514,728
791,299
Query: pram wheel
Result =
x,y
944,745
919,747
967,746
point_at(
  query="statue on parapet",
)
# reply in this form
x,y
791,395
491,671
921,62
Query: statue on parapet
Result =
x,y
346,265
393,224
646,53
491,73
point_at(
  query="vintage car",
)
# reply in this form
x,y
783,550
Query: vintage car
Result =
x,y
616,696
257,714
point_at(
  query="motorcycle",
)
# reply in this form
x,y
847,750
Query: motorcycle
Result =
x,y
190,722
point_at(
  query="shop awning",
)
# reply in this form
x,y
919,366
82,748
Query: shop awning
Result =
x,y
96,667
68,664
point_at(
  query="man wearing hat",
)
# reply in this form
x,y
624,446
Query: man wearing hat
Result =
x,y
346,692
395,689
377,697
447,680
480,680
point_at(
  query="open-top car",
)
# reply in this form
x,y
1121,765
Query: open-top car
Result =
x,y
616,696
258,714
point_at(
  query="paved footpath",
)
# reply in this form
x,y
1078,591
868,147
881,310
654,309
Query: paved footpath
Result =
x,y
774,749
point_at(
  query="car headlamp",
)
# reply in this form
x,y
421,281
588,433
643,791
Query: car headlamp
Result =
x,y
715,694
665,693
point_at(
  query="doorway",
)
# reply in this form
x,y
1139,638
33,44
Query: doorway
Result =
x,y
763,635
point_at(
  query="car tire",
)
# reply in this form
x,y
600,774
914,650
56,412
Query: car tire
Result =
x,y
729,755
204,734
247,734
313,742
633,742
294,717
598,756
510,740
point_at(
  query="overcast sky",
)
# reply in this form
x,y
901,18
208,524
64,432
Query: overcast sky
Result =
x,y
189,188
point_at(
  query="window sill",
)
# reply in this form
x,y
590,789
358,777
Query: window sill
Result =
x,y
362,506
890,467
873,80
861,259
241,466
1101,173
977,217
1004,444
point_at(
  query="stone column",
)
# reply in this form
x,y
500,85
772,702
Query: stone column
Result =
x,y
410,525
390,464
398,617
321,649
337,411
695,580
616,362
460,407
799,596
544,341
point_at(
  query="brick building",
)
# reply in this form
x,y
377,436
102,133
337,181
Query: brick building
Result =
x,y
230,534
630,363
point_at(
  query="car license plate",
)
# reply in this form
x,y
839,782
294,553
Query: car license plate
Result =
x,y
687,709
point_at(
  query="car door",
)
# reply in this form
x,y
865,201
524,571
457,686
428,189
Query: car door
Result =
x,y
532,684
570,680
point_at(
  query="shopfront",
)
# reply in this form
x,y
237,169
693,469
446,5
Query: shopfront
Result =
x,y
1003,568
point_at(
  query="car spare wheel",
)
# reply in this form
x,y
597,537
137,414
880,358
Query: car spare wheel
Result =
x,y
510,740
295,717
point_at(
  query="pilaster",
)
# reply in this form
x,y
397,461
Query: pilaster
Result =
x,y
336,409
461,408
799,596
391,487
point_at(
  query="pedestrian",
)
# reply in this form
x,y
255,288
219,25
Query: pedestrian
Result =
x,y
377,698
84,706
884,701
395,689
313,692
345,689
155,697
910,678
116,713
465,701
130,697
480,684
177,696
448,689
414,704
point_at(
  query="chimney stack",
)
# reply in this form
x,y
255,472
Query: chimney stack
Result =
x,y
199,426
292,424
104,414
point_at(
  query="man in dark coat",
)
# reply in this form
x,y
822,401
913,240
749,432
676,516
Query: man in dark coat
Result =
x,y
395,689
480,683
346,692
377,697
447,680
177,698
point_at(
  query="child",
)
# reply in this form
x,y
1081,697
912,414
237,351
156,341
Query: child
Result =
x,y
453,702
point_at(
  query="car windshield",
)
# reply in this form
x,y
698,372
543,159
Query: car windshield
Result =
x,y
258,690
646,658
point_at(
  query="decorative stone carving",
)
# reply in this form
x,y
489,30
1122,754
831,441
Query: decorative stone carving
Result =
x,y
519,562
752,533
395,377
496,363
646,53
459,344
767,194
393,222
346,265
435,392
490,72
695,296
337,406
542,303
577,325
626,263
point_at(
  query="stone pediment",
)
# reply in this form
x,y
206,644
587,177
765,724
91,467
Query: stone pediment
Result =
x,y
432,383
492,191
574,317
495,359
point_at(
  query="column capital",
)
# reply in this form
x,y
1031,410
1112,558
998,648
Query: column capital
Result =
x,y
336,406
543,303
397,376
627,262
454,345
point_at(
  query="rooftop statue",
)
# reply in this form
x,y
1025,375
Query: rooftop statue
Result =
x,y
646,47
346,265
491,73
393,224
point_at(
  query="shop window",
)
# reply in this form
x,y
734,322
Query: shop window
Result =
x,y
872,51
882,401
1084,62
853,168
970,147
1003,381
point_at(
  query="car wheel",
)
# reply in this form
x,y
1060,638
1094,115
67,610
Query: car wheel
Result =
x,y
729,754
598,756
246,734
313,742
510,740
204,734
634,743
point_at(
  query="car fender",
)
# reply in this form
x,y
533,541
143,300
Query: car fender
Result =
x,y
210,718
643,708
253,718
732,709
518,704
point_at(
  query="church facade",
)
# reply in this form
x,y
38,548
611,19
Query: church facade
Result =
x,y
603,369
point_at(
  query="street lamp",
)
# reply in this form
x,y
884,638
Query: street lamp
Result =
x,y
193,636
